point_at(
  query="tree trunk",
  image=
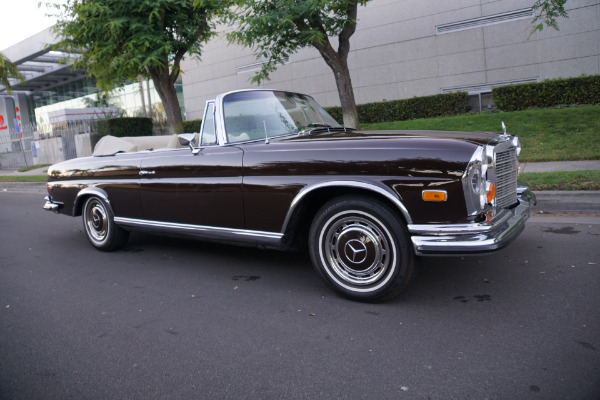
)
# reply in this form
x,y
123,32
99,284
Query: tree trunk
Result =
x,y
338,62
149,98
142,96
168,95
346,93
339,65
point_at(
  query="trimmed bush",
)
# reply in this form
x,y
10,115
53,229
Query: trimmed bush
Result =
x,y
335,112
555,92
438,105
192,126
129,126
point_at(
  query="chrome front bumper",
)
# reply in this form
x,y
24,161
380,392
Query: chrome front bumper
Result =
x,y
464,239
51,205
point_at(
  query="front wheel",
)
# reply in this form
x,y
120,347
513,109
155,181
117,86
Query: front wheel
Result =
x,y
360,248
99,225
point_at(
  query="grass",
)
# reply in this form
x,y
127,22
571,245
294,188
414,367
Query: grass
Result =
x,y
555,134
562,180
23,178
551,134
25,169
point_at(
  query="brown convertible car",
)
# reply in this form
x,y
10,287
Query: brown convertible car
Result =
x,y
273,169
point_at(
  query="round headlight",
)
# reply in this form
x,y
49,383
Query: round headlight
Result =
x,y
474,182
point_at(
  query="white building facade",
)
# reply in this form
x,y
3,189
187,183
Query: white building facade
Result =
x,y
407,48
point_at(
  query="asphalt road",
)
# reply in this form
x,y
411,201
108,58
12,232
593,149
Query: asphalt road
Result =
x,y
176,319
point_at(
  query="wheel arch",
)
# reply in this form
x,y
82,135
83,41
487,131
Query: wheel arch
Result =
x,y
86,193
309,200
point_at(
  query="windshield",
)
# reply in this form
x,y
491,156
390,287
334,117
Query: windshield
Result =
x,y
259,114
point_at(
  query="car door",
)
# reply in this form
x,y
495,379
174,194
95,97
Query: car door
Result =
x,y
201,188
118,176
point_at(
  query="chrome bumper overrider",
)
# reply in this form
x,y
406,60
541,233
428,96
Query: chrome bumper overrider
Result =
x,y
52,205
457,239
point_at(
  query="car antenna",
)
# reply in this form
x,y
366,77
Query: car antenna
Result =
x,y
266,136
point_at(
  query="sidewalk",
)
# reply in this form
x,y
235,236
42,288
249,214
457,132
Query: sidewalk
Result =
x,y
14,172
560,166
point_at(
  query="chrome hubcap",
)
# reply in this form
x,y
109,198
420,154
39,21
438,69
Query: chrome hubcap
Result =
x,y
96,220
357,250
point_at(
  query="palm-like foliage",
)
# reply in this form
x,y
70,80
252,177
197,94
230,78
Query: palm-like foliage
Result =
x,y
8,70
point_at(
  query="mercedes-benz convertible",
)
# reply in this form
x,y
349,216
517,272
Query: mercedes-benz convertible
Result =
x,y
273,169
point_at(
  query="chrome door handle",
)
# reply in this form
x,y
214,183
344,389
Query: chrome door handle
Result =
x,y
142,172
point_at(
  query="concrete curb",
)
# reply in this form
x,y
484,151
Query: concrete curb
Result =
x,y
558,200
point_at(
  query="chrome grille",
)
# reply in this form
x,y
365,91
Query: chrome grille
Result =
x,y
506,178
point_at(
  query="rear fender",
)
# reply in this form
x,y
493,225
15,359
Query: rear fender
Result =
x,y
84,194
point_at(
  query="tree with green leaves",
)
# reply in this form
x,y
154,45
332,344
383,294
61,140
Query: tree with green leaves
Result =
x,y
8,70
546,13
119,40
275,29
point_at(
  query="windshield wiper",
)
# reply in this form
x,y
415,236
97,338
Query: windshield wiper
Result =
x,y
321,127
315,125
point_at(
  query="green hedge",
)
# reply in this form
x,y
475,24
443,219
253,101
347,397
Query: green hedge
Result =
x,y
399,110
555,92
129,126
192,126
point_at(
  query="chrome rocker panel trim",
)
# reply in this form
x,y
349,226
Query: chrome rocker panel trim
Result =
x,y
270,239
465,239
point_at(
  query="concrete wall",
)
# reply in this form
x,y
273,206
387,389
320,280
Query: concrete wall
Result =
x,y
397,53
49,151
83,145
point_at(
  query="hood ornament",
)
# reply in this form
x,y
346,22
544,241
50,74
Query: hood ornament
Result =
x,y
505,135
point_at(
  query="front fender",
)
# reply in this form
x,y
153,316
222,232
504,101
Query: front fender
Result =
x,y
379,190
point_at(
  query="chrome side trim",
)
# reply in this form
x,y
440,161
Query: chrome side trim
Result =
x,y
204,232
457,229
361,185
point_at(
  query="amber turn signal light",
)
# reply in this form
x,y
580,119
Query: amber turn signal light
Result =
x,y
435,195
491,193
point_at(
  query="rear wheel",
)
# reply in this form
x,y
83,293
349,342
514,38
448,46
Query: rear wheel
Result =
x,y
99,225
360,248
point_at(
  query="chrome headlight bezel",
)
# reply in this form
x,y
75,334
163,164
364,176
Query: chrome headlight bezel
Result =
x,y
517,145
474,182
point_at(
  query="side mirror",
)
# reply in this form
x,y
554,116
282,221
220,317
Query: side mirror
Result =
x,y
187,139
